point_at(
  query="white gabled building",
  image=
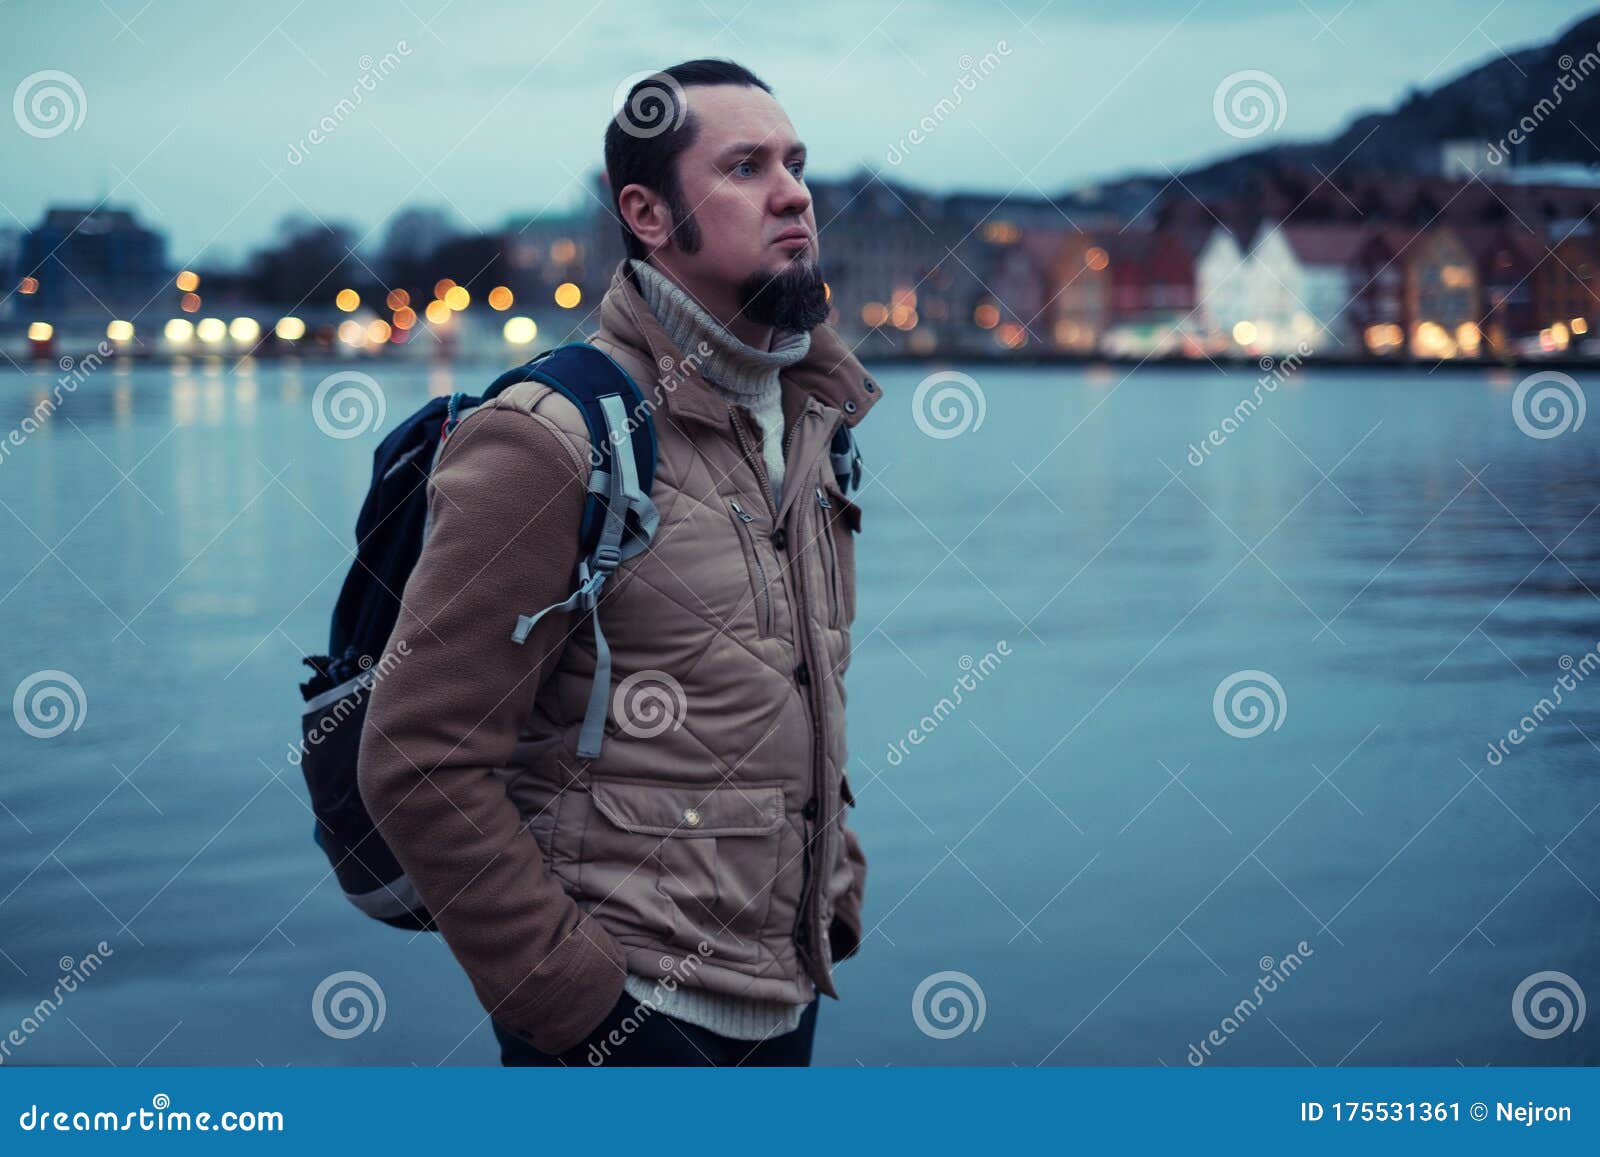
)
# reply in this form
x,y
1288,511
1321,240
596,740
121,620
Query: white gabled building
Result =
x,y
1291,286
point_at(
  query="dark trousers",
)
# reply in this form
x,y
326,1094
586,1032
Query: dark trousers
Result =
x,y
639,1034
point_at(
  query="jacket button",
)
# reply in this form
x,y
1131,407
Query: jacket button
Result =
x,y
870,385
691,817
849,407
810,810
780,538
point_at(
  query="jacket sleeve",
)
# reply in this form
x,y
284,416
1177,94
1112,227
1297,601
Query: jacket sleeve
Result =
x,y
505,502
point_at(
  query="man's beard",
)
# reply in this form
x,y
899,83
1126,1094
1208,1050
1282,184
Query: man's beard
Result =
x,y
794,298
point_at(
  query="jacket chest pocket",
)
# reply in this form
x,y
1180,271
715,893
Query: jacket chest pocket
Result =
x,y
762,574
838,523
693,863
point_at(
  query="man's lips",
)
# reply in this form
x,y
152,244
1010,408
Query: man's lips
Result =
x,y
793,237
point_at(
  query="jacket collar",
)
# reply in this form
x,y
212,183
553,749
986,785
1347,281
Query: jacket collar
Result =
x,y
829,374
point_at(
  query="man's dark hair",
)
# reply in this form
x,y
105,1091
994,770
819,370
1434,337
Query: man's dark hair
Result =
x,y
652,128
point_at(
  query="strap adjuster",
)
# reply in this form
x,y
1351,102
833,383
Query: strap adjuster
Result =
x,y
607,557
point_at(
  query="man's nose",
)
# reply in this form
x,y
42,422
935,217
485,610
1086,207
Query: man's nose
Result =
x,y
791,198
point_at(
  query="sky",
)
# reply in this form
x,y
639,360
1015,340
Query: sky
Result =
x,y
197,115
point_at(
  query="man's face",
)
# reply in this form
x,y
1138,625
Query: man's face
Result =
x,y
742,181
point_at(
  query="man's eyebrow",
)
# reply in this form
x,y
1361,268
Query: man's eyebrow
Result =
x,y
750,148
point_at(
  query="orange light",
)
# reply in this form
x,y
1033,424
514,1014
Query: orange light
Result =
x,y
347,300
874,313
443,286
378,331
29,285
187,281
500,298
1012,335
397,299
190,302
1097,259
457,297
563,251
568,295
986,316
405,317
437,312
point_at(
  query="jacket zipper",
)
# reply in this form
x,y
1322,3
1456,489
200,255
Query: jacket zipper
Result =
x,y
836,617
809,890
764,595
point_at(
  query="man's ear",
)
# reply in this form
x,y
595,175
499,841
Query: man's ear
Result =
x,y
645,213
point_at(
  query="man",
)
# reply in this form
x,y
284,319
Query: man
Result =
x,y
682,897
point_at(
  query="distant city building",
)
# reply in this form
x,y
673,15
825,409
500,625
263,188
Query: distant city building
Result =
x,y
90,262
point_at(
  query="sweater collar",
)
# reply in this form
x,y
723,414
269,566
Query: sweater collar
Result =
x,y
829,374
737,368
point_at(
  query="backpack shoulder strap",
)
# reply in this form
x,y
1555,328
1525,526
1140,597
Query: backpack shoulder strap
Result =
x,y
619,517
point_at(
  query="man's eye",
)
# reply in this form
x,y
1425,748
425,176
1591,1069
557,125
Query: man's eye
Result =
x,y
798,168
745,169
